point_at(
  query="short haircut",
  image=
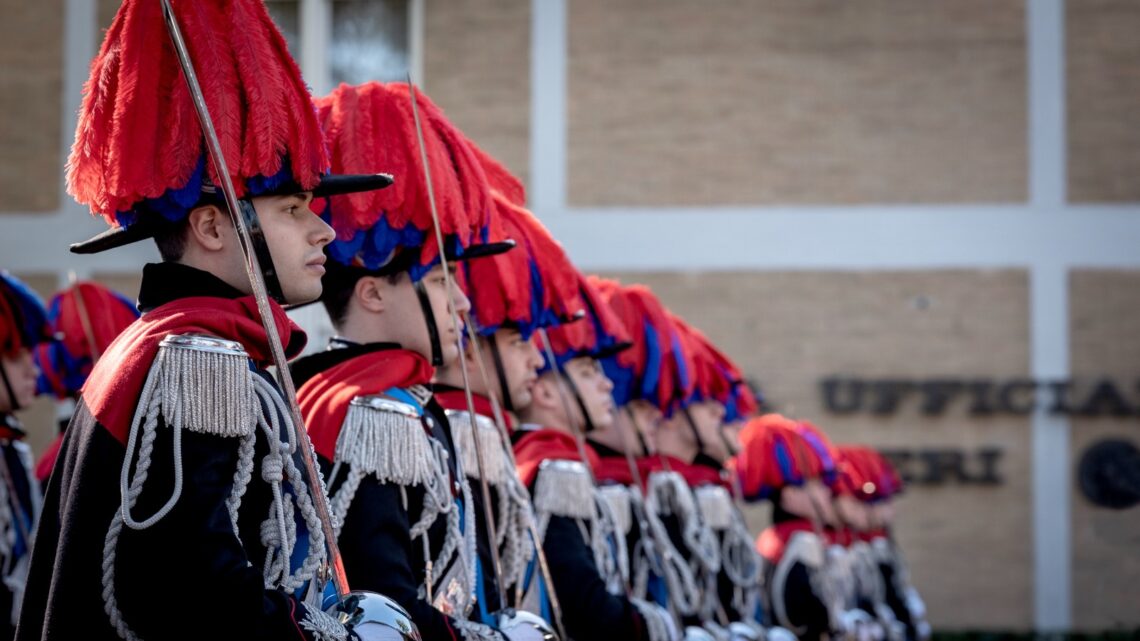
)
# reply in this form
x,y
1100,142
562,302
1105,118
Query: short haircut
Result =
x,y
339,284
171,240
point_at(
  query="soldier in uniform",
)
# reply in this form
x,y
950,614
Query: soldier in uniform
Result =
x,y
23,326
513,295
776,463
79,338
694,449
177,508
881,487
854,491
648,380
398,489
587,554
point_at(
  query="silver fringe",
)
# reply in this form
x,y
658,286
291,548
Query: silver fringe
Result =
x,y
496,466
206,385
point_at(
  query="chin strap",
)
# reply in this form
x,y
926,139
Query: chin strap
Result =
x,y
641,442
15,402
693,428
429,318
588,423
261,249
500,373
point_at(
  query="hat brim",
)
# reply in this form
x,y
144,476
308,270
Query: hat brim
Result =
x,y
148,227
483,250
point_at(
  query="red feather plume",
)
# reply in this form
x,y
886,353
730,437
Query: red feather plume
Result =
x,y
600,333
89,317
371,128
774,454
502,287
138,136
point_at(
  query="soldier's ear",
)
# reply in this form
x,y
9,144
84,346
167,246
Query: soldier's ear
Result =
x,y
208,227
370,292
545,395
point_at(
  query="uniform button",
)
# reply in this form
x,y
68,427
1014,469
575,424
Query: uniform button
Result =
x,y
430,423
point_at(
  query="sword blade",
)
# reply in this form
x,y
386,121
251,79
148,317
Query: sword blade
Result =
x,y
257,283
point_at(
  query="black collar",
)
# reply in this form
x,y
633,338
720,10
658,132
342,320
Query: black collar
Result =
x,y
306,367
707,461
167,282
604,451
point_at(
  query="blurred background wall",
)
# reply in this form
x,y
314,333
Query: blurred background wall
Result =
x,y
918,200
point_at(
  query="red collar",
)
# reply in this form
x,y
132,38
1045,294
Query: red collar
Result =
x,y
456,401
614,469
112,391
695,475
774,539
324,398
538,445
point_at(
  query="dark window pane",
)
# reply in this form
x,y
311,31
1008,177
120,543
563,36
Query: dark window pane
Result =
x,y
370,41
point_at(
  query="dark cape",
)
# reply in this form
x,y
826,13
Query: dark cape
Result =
x,y
375,540
22,504
589,611
188,576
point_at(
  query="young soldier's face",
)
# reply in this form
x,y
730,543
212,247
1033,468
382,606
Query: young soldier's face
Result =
x,y
882,513
853,512
640,416
594,387
731,433
442,299
521,361
296,237
708,417
812,501
22,373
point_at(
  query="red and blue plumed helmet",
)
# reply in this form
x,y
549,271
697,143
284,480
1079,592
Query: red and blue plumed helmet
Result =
x,y
530,287
653,369
371,128
139,158
714,376
774,454
598,334
84,319
23,319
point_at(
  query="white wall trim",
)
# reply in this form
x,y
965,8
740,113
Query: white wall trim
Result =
x,y
1051,459
858,238
1046,235
1049,313
547,191
315,24
416,38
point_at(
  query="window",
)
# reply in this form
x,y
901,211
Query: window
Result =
x,y
369,41
287,15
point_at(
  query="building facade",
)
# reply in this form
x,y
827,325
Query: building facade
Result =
x,y
915,224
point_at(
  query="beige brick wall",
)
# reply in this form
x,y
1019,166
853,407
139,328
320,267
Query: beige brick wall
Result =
x,y
477,67
31,48
969,547
1103,88
689,102
1104,306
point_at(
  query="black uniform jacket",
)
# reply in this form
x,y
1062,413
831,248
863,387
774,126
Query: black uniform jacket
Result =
x,y
186,577
21,507
375,540
589,611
